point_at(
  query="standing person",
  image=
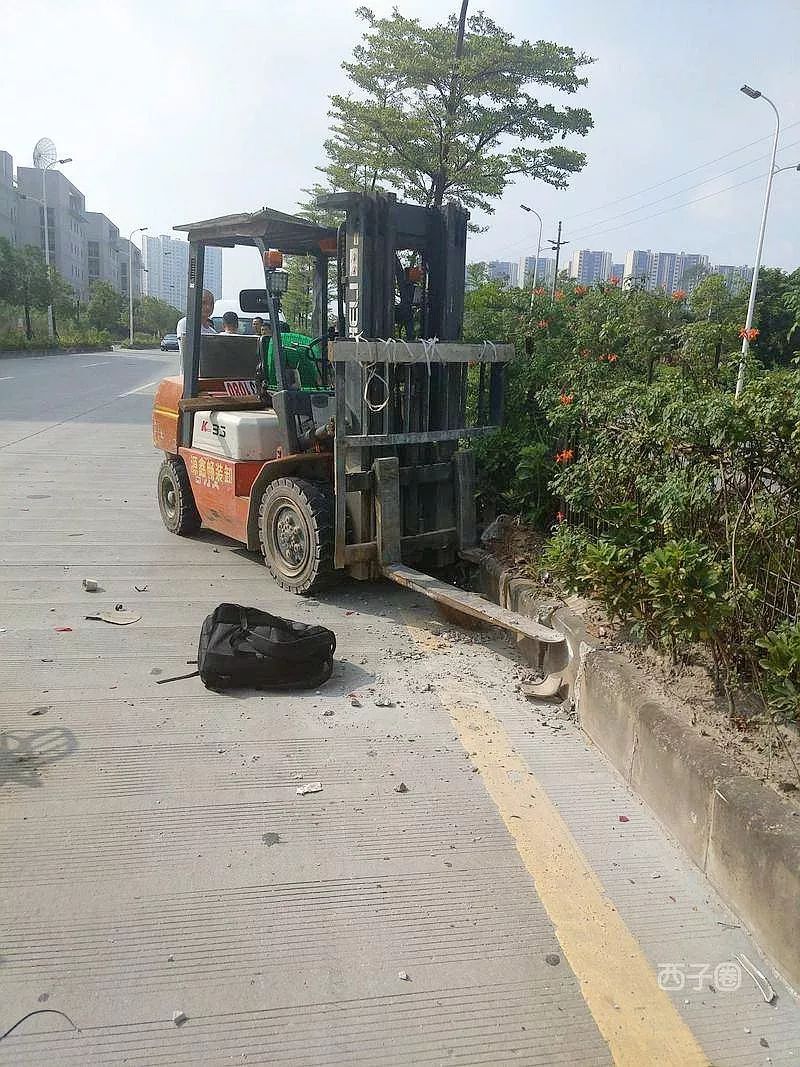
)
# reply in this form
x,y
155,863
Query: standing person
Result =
x,y
230,324
258,325
205,319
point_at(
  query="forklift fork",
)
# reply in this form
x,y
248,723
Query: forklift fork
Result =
x,y
550,648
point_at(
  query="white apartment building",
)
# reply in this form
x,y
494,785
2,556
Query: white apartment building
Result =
x,y
664,270
588,267
544,271
166,263
498,270
212,272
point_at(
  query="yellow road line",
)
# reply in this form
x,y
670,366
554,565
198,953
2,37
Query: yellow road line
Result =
x,y
636,1017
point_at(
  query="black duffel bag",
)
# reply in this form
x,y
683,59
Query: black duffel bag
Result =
x,y
247,648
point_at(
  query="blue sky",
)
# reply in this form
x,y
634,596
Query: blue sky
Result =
x,y
177,111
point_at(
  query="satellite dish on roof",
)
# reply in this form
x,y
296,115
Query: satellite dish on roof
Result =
x,y
44,153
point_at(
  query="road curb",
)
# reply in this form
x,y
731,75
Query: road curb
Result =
x,y
733,827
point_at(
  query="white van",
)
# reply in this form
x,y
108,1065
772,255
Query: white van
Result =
x,y
245,317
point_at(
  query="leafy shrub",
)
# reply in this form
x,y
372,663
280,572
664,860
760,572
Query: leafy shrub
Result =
x,y
72,336
620,411
530,487
685,594
780,665
563,554
13,341
141,340
610,573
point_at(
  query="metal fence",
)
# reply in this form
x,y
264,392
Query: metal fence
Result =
x,y
767,560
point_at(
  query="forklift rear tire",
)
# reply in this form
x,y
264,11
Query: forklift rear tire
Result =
x,y
295,523
176,500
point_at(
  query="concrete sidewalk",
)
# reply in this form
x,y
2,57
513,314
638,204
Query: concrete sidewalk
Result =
x,y
156,857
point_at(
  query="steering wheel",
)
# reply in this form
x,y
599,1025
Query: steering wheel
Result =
x,y
309,349
310,346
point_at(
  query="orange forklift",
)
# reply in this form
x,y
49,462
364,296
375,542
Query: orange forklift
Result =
x,y
364,465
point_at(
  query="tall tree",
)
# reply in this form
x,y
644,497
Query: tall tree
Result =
x,y
23,280
477,275
713,300
151,315
429,123
105,306
298,302
777,344
8,273
310,209
35,288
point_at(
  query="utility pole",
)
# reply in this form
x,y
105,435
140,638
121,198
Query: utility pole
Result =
x,y
450,111
139,229
756,94
538,251
556,245
51,330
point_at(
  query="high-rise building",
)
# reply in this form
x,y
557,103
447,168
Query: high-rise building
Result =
x,y
662,271
166,264
502,271
66,221
618,270
676,270
588,267
9,200
736,278
102,249
85,246
637,267
690,268
544,271
212,272
129,252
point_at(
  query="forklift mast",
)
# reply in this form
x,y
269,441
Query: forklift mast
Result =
x,y
370,273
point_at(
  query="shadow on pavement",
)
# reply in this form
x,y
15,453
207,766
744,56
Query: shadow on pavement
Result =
x,y
24,752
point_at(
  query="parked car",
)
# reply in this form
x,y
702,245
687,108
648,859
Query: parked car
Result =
x,y
169,343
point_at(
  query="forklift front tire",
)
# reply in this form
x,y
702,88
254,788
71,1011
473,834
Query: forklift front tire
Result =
x,y
176,500
295,522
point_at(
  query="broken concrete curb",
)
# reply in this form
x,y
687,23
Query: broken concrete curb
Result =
x,y
734,828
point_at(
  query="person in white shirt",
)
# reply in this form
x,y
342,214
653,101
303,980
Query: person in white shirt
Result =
x,y
205,320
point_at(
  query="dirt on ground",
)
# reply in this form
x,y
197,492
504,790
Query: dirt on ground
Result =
x,y
737,722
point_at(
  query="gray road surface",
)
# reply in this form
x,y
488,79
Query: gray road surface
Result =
x,y
156,858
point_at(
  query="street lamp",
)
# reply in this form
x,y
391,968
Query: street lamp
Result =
x,y
50,327
756,94
538,247
139,229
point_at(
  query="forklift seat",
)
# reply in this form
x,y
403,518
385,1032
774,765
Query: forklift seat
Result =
x,y
228,356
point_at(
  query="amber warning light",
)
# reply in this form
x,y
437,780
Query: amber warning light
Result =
x,y
273,258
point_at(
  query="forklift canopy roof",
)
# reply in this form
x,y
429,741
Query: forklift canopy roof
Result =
x,y
289,233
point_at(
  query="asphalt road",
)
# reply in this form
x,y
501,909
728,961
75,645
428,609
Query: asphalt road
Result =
x,y
155,856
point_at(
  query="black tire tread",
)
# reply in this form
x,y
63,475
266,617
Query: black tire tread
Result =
x,y
318,498
188,517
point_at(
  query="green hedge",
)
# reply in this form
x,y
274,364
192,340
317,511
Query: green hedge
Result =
x,y
669,501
